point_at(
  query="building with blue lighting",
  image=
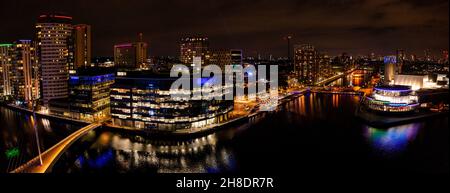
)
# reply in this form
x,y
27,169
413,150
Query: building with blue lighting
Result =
x,y
142,100
392,99
88,96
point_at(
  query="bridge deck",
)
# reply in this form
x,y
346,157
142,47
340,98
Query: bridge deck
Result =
x,y
335,77
52,154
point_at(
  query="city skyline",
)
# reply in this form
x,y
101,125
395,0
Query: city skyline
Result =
x,y
255,27
224,95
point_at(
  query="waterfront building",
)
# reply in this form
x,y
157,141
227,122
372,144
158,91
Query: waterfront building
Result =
x,y
306,63
430,81
5,66
82,46
88,97
310,65
24,79
54,33
325,69
141,99
191,47
392,99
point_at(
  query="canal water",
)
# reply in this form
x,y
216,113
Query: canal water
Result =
x,y
18,139
312,134
356,78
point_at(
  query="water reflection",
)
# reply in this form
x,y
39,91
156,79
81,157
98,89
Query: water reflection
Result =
x,y
393,140
124,153
17,136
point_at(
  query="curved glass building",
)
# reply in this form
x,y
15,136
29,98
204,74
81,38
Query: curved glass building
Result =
x,y
392,98
142,100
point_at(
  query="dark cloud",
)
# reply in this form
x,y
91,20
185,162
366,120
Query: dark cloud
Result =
x,y
257,26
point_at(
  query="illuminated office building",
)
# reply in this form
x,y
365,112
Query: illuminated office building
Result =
x,y
54,33
88,96
5,66
193,47
142,100
82,51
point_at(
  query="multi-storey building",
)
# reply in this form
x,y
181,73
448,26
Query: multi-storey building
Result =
x,y
142,99
306,65
130,55
401,57
54,33
24,77
390,66
82,51
223,57
5,66
88,96
193,47
325,69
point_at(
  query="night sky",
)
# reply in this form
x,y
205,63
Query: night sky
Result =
x,y
256,26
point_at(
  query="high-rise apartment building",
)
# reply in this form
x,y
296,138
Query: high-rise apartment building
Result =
x,y
306,65
24,77
5,72
54,32
82,51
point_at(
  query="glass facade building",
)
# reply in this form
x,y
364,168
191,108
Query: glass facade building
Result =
x,y
88,97
142,100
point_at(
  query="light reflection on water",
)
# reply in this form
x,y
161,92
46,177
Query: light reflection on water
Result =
x,y
311,133
126,154
317,126
17,132
394,140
